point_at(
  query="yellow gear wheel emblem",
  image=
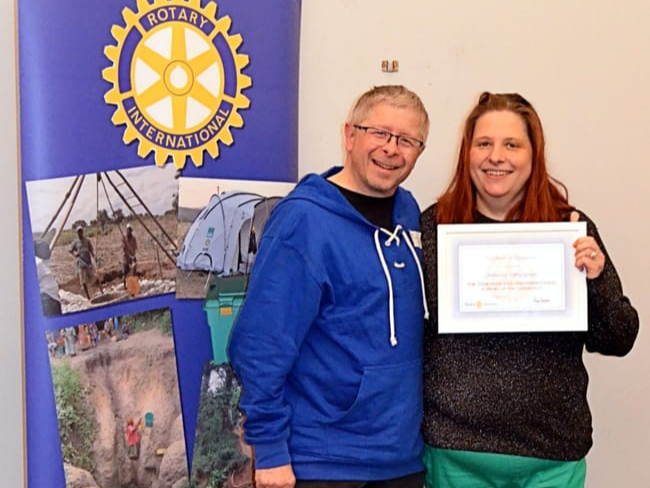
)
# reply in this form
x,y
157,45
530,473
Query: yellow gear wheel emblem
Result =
x,y
176,80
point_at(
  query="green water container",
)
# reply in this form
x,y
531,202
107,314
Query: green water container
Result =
x,y
222,305
148,419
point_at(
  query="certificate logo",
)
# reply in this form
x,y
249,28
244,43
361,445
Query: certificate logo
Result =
x,y
177,80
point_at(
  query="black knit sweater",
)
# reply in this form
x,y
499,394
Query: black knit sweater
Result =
x,y
521,394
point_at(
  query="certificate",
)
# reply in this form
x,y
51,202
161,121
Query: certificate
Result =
x,y
510,278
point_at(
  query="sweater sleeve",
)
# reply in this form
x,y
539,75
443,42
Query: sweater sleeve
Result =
x,y
280,306
613,321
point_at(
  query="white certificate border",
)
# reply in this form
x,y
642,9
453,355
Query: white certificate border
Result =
x,y
450,320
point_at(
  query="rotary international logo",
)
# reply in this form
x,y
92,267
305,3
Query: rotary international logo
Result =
x,y
177,80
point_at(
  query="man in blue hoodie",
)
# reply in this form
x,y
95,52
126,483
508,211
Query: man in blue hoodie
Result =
x,y
328,344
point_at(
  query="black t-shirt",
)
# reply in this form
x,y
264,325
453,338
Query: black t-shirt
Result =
x,y
377,210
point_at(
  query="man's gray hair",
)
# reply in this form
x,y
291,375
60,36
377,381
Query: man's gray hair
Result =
x,y
396,95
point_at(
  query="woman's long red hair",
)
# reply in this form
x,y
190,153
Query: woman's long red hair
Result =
x,y
545,198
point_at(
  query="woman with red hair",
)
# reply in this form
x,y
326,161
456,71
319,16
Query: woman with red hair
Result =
x,y
510,409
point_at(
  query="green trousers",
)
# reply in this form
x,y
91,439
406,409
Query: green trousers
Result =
x,y
466,469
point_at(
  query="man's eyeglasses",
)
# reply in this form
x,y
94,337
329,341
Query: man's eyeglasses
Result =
x,y
383,136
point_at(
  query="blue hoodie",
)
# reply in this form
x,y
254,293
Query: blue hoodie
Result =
x,y
328,344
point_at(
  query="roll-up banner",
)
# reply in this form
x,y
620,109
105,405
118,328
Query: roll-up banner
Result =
x,y
155,139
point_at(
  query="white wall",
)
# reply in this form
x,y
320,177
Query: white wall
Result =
x,y
585,66
11,412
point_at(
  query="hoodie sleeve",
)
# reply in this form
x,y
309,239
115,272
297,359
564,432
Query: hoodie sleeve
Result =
x,y
613,321
281,304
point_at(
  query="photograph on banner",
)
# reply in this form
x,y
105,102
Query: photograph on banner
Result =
x,y
219,225
117,398
220,457
102,238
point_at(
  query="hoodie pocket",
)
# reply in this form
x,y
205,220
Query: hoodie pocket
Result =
x,y
383,423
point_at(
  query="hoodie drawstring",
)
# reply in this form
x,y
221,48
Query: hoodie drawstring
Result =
x,y
394,236
417,263
391,312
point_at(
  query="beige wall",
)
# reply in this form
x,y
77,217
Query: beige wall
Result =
x,y
585,65
11,455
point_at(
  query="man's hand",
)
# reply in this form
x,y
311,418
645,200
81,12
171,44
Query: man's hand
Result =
x,y
280,477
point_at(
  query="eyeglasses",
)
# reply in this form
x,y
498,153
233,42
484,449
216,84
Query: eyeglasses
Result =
x,y
383,136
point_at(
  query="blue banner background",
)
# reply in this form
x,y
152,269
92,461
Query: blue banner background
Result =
x,y
66,129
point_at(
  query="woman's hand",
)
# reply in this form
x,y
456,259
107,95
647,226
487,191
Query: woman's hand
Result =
x,y
588,255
